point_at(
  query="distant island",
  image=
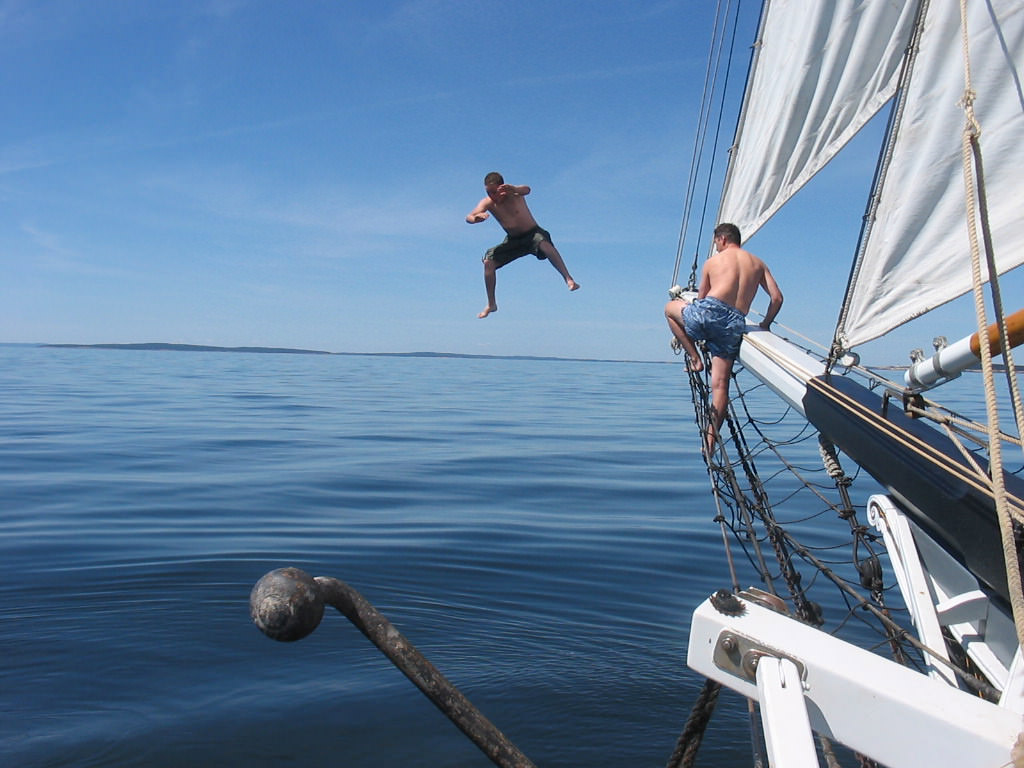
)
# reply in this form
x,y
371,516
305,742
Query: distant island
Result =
x,y
163,347
190,348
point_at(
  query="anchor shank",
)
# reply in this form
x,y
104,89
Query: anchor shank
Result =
x,y
422,673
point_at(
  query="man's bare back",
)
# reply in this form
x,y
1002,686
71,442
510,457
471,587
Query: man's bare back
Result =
x,y
733,275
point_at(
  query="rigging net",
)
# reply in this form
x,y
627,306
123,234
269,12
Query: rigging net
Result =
x,y
795,559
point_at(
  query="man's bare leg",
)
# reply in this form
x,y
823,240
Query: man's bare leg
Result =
x,y
674,315
552,254
490,280
721,372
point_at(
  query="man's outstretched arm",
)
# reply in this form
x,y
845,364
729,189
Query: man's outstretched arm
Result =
x,y
479,213
775,298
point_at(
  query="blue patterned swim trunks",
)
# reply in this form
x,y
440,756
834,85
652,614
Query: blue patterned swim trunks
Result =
x,y
718,324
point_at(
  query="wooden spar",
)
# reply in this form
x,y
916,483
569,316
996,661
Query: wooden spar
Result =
x,y
1014,331
950,361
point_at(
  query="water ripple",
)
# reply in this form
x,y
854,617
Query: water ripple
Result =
x,y
543,547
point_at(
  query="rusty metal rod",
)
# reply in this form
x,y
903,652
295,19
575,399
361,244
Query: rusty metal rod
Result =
x,y
287,604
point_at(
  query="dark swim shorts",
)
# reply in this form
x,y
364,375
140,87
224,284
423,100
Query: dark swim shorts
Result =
x,y
718,324
514,246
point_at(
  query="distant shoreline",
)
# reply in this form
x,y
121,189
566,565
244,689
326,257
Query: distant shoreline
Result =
x,y
164,347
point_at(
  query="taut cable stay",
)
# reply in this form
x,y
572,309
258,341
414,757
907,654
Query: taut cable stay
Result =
x,y
711,80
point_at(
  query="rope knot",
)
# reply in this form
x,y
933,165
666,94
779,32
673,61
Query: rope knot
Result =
x,y
973,127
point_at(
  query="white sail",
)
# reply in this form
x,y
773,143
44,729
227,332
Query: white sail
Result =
x,y
917,253
822,71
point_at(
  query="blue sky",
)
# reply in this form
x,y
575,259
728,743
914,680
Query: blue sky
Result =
x,y
237,172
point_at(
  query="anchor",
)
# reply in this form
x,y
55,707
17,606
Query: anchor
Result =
x,y
287,604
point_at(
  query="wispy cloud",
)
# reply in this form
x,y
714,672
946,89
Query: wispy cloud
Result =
x,y
223,9
603,73
51,253
371,217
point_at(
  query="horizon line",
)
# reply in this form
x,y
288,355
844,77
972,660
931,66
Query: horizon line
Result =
x,y
172,347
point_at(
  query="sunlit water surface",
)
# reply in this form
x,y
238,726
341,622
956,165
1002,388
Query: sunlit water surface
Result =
x,y
541,530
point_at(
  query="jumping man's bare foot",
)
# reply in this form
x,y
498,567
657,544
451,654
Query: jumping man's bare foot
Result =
x,y
573,285
487,311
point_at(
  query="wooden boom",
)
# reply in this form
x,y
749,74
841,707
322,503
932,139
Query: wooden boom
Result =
x,y
1014,332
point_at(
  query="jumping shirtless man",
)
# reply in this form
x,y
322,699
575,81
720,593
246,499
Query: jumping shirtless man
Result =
x,y
523,235
718,315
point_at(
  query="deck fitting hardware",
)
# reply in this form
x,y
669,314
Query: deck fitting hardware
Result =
x,y
726,602
738,655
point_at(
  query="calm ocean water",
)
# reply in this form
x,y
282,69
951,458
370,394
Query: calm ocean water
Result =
x,y
541,530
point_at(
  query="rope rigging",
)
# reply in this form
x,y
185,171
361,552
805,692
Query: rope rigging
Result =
x,y
752,533
750,530
725,18
860,537
975,200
